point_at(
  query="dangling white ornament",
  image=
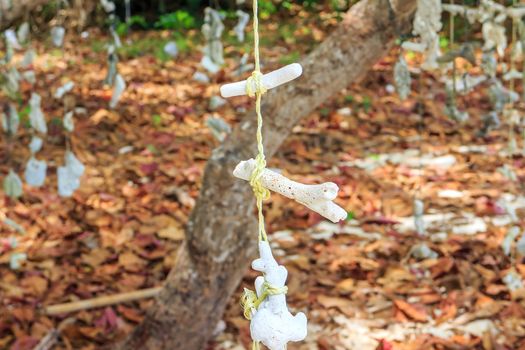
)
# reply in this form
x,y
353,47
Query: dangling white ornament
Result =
x,y
118,90
10,37
513,281
68,122
219,128
35,172
64,89
109,6
239,28
419,223
11,121
494,37
402,78
318,198
508,241
171,49
12,185
36,144
28,59
75,165
272,323
112,66
212,30
208,64
11,84
23,32
67,181
216,102
36,116
269,81
57,36
201,77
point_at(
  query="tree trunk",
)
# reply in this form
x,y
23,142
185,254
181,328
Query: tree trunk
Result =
x,y
10,11
221,234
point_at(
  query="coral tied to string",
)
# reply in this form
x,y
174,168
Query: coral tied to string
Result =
x,y
250,301
254,85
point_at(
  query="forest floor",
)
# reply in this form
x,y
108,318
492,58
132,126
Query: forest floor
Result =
x,y
365,284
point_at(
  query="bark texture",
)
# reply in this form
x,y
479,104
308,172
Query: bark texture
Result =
x,y
221,234
11,11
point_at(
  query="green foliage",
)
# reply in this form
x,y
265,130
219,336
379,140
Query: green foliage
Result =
x,y
176,21
290,58
266,8
156,120
351,216
366,104
23,114
138,21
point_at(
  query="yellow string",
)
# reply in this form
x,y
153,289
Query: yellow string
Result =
x,y
250,302
255,88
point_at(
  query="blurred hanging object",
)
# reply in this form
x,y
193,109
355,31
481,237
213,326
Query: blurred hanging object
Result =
x,y
402,78
57,36
239,28
10,120
112,66
171,49
36,116
12,185
127,3
118,89
35,172
108,6
212,30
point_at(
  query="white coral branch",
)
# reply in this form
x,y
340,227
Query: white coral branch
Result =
x,y
269,81
318,198
272,323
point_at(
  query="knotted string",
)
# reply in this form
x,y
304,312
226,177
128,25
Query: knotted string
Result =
x,y
255,88
250,302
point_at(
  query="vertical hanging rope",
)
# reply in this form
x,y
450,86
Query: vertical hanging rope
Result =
x,y
255,88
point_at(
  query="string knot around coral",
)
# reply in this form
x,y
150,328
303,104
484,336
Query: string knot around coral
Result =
x,y
254,84
250,302
259,190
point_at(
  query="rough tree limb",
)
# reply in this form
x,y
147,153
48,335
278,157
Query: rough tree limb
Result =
x,y
221,234
16,10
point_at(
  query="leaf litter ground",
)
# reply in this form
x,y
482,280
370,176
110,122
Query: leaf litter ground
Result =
x,y
360,282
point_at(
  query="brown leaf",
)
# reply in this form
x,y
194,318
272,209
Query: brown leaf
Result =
x,y
417,312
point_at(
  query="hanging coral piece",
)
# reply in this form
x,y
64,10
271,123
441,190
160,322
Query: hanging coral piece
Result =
x,y
171,49
10,120
12,185
35,172
427,24
402,78
57,36
241,25
271,323
212,30
36,116
269,81
64,89
118,90
318,198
